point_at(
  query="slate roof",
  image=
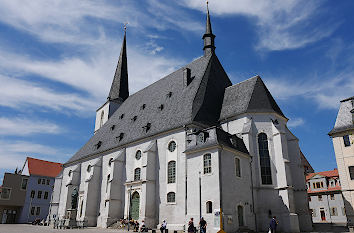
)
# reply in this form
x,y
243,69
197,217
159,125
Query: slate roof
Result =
x,y
43,168
345,117
250,96
199,102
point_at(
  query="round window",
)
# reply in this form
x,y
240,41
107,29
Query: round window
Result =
x,y
138,155
89,168
172,146
70,172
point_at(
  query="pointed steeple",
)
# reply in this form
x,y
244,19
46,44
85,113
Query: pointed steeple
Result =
x,y
119,89
208,37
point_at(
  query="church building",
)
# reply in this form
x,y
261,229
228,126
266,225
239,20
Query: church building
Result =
x,y
192,144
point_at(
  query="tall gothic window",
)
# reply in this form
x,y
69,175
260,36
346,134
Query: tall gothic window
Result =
x,y
266,172
207,163
238,167
171,172
137,174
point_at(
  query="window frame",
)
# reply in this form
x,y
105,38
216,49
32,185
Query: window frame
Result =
x,y
238,172
39,195
207,164
2,193
209,207
351,173
172,146
23,179
45,196
137,175
346,140
264,159
171,172
38,210
138,154
168,196
34,194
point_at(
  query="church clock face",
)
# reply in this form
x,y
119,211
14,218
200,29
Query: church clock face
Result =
x,y
138,155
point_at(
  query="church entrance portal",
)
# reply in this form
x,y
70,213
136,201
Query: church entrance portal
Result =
x,y
134,211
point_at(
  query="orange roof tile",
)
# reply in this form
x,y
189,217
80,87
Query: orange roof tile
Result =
x,y
43,168
331,173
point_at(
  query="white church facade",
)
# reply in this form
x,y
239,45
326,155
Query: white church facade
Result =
x,y
187,146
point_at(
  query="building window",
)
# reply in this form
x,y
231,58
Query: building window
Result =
x,y
346,140
110,162
317,185
5,193
137,174
138,155
45,195
172,146
319,197
238,167
266,173
24,183
33,193
32,210
209,207
70,172
39,181
207,163
43,181
101,120
171,197
48,181
171,172
38,211
351,172
334,211
89,168
39,195
343,211
309,198
332,197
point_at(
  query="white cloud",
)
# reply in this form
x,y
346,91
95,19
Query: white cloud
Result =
x,y
295,122
282,24
24,126
14,153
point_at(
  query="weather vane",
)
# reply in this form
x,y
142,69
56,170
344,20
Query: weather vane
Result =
x,y
125,26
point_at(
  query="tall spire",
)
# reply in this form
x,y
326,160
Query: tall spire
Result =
x,y
119,89
208,37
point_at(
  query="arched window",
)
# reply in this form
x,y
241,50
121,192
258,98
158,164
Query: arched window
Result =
x,y
266,172
172,146
108,178
101,120
171,172
238,167
207,163
137,174
209,207
171,197
240,215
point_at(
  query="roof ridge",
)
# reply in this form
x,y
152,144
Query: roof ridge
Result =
x,y
43,160
257,76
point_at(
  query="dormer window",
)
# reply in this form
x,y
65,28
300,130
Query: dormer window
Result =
x,y
134,118
147,127
120,137
98,145
143,107
161,107
121,116
113,127
110,162
202,136
169,95
70,173
89,168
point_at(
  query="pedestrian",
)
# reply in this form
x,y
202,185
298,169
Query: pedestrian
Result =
x,y
202,225
163,226
273,225
191,228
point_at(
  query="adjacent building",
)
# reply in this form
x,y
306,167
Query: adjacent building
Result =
x,y
189,145
342,135
325,197
41,175
12,197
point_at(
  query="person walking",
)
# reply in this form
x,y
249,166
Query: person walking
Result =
x,y
191,228
202,225
163,226
273,225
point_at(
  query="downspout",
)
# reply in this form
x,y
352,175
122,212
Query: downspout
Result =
x,y
253,203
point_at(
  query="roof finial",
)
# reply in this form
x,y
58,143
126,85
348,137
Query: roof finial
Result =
x,y
125,27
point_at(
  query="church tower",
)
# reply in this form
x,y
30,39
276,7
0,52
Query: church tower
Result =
x,y
119,90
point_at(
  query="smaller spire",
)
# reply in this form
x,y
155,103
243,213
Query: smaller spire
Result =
x,y
119,88
208,37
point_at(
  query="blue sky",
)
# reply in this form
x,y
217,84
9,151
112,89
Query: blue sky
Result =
x,y
57,61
